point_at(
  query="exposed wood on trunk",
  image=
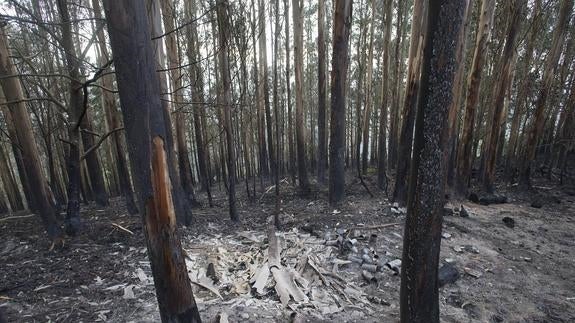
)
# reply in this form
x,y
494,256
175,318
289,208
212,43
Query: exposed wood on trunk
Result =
x,y
140,94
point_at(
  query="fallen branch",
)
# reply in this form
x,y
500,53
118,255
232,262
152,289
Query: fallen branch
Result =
x,y
122,228
375,227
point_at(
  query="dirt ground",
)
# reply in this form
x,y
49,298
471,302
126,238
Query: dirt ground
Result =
x,y
519,274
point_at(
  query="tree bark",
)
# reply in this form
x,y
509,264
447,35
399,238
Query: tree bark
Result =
x,y
382,138
9,182
197,80
410,102
182,202
536,128
368,93
419,296
300,131
322,95
138,85
184,165
113,118
40,192
75,114
464,151
223,40
339,66
499,91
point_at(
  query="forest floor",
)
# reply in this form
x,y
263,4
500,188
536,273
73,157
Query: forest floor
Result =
x,y
519,274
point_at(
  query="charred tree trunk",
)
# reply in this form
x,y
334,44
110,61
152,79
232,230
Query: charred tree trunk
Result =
x,y
322,95
419,295
464,151
9,182
40,192
456,93
184,165
76,114
382,138
291,150
183,204
223,40
339,65
536,130
264,86
410,102
94,166
368,95
299,115
138,85
113,118
197,81
501,85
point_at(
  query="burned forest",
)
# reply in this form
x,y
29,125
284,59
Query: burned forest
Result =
x,y
287,161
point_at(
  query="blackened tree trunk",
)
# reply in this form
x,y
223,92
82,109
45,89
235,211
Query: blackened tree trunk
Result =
x,y
197,79
138,85
183,204
39,189
299,113
224,40
75,114
522,94
465,151
409,103
95,171
339,65
536,129
322,92
501,85
113,118
382,138
177,96
9,182
454,107
419,296
264,85
368,95
291,151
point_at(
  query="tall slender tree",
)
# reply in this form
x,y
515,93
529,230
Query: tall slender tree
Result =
x,y
410,102
536,129
322,94
339,65
464,151
499,90
139,90
383,111
39,189
223,41
299,114
419,295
